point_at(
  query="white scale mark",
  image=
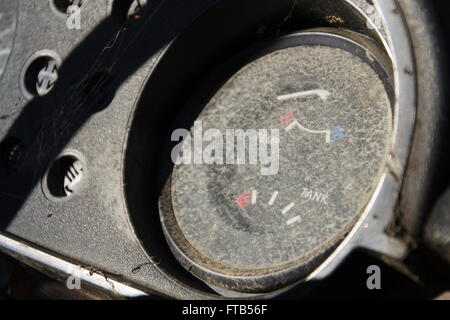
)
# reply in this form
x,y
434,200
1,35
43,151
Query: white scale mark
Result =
x,y
293,220
274,197
288,208
322,94
254,196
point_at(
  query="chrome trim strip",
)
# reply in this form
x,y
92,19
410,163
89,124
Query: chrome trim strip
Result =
x,y
64,269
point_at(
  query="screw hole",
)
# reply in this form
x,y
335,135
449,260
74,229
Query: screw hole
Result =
x,y
64,177
62,5
122,10
40,74
11,154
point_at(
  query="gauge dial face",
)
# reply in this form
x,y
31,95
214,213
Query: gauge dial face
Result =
x,y
334,119
7,31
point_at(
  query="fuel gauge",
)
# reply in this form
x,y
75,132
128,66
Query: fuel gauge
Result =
x,y
328,98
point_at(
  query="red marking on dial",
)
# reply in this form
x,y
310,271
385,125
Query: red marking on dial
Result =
x,y
244,200
287,119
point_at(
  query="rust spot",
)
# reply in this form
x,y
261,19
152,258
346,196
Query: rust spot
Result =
x,y
334,20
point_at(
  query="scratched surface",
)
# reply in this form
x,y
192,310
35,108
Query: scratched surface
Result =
x,y
334,118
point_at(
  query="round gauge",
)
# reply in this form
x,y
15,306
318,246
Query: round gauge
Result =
x,y
7,30
285,157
